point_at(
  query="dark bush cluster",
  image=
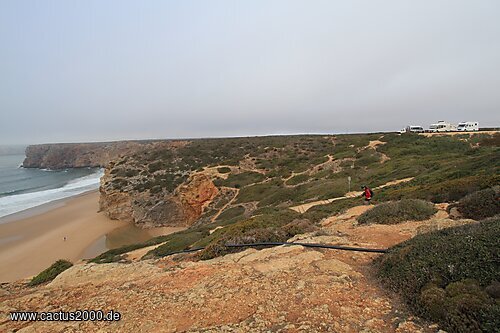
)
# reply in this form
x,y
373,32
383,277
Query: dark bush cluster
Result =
x,y
449,276
224,169
480,204
50,273
393,212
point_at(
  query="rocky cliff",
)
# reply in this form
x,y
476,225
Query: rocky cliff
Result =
x,y
145,209
78,155
150,192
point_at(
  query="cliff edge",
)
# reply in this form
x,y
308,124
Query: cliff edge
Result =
x,y
78,155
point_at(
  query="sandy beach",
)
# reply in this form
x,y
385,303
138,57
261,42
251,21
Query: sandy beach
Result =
x,y
30,244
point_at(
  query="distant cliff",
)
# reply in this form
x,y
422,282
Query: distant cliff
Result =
x,y
79,155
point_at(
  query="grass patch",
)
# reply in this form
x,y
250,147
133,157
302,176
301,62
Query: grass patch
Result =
x,y
448,276
115,255
393,212
298,179
180,241
50,273
443,190
240,180
231,213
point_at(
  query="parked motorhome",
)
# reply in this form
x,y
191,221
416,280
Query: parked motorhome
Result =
x,y
414,129
442,126
468,126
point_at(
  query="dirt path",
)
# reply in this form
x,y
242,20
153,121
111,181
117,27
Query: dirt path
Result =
x,y
304,207
375,143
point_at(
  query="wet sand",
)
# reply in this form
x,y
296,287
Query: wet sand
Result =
x,y
35,240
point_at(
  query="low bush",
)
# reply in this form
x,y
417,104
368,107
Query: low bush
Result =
x,y
50,273
393,212
273,227
480,204
224,169
445,276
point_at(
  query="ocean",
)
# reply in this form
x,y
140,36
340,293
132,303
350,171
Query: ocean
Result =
x,y
21,189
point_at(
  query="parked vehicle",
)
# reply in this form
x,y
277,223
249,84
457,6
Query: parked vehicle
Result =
x,y
442,126
468,126
415,129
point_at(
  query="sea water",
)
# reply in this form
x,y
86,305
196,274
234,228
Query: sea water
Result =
x,y
21,188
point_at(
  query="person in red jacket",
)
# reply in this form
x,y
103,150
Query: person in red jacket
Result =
x,y
367,194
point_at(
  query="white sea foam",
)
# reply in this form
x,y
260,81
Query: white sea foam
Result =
x,y
19,202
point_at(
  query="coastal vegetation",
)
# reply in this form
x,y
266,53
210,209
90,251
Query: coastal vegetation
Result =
x,y
480,204
449,276
50,273
393,212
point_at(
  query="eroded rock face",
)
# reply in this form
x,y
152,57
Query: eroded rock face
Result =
x,y
146,209
78,155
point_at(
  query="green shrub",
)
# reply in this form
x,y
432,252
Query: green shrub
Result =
x,y
480,204
224,170
393,212
443,275
50,273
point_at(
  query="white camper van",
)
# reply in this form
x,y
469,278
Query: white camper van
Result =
x,y
468,126
441,126
414,129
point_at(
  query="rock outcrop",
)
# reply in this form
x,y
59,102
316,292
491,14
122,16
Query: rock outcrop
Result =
x,y
78,155
183,207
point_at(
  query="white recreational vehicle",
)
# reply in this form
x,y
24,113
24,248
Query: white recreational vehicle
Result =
x,y
442,126
412,129
468,126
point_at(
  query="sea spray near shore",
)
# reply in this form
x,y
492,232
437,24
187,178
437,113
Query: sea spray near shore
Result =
x,y
10,204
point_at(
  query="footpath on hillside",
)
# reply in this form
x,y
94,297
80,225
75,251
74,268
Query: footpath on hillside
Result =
x,y
353,194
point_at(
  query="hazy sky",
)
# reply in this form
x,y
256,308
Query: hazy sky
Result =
x,y
108,70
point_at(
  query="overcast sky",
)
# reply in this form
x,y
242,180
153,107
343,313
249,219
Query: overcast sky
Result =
x,y
109,70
